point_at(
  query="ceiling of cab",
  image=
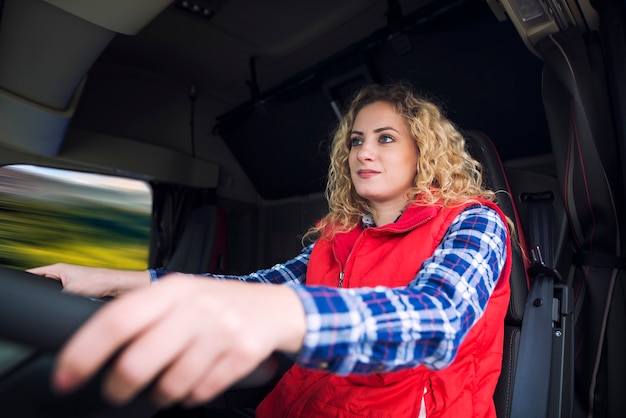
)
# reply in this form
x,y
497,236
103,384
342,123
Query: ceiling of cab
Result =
x,y
454,51
284,36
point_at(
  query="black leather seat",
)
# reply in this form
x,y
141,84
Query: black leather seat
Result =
x,y
538,361
494,177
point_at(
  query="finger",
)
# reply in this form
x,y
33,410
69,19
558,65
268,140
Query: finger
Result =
x,y
187,371
227,370
46,271
103,335
147,356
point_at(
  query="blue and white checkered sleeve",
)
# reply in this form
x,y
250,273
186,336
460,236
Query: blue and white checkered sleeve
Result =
x,y
379,329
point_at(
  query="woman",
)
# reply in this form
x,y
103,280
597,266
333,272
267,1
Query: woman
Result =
x,y
396,309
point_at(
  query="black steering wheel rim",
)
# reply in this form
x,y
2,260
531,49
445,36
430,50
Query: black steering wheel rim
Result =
x,y
34,313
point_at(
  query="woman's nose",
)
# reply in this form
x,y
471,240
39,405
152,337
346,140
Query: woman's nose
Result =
x,y
366,151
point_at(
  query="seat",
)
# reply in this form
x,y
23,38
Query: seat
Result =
x,y
494,178
514,383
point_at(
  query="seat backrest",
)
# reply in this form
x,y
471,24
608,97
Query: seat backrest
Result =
x,y
494,177
532,346
482,149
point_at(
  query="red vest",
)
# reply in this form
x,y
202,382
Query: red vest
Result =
x,y
378,256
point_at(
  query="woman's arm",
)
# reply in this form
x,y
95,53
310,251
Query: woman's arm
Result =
x,y
211,333
100,282
194,338
92,281
364,330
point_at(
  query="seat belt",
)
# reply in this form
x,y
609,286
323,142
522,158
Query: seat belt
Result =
x,y
531,386
532,372
541,222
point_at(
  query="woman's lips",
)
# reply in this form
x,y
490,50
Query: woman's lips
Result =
x,y
365,174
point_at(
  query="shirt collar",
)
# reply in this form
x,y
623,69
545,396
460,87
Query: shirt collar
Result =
x,y
367,220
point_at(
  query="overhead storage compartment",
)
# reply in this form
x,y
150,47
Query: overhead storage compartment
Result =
x,y
35,110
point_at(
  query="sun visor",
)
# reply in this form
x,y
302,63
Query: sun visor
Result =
x,y
122,16
43,137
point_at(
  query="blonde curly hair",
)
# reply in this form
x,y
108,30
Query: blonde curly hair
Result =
x,y
446,173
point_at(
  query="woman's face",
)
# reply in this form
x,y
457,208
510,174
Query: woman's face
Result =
x,y
383,156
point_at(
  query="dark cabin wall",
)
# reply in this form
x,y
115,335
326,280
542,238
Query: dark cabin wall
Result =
x,y
285,223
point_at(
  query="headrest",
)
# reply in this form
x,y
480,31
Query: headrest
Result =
x,y
484,151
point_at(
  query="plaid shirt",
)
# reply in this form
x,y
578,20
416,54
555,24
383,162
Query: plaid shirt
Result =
x,y
368,330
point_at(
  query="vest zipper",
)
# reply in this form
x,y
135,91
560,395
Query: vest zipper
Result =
x,y
390,229
342,272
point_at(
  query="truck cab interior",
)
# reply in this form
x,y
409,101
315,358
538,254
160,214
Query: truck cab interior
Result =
x,y
224,109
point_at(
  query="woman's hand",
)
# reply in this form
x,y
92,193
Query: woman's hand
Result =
x,y
92,281
195,336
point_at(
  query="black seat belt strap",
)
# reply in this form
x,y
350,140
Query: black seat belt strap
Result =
x,y
532,372
541,223
532,376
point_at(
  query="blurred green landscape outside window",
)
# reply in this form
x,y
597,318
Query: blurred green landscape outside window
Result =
x,y
50,215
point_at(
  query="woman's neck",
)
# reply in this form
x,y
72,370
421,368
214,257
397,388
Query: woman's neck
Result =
x,y
386,214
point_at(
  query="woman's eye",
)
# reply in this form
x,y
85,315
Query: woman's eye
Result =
x,y
385,139
355,141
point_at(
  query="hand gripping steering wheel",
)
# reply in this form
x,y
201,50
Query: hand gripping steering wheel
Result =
x,y
36,314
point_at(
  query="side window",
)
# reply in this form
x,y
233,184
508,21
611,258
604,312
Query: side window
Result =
x,y
50,215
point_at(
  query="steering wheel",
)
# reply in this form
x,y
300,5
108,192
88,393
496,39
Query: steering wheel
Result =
x,y
35,314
